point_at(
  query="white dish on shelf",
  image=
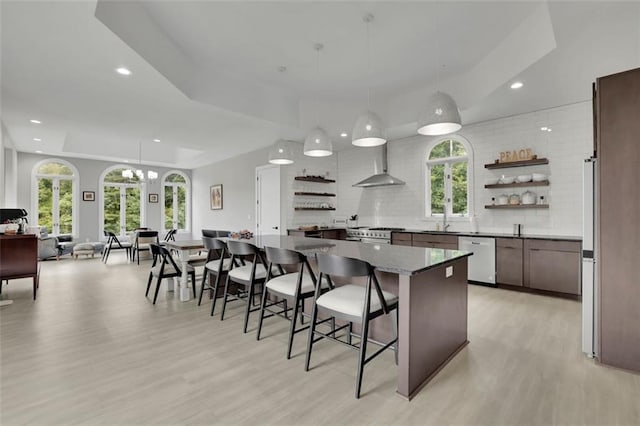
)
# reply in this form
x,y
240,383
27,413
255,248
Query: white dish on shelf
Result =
x,y
506,179
524,178
538,177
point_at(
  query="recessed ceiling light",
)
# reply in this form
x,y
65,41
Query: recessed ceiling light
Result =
x,y
34,121
156,140
517,84
126,161
38,152
37,139
549,129
343,135
123,71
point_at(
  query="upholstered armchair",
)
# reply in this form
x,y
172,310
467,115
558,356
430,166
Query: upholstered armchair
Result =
x,y
47,247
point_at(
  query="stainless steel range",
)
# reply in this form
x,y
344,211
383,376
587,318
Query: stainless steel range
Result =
x,y
371,235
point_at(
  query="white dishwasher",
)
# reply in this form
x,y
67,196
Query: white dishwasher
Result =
x,y
482,265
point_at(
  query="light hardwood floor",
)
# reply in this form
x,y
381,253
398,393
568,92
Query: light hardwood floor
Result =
x,y
93,350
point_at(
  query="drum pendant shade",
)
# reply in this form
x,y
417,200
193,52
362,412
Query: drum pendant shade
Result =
x,y
441,116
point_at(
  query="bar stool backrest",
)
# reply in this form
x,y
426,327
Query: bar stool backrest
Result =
x,y
240,248
332,264
282,256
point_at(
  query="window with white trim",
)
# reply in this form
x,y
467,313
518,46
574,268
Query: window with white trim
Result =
x,y
55,182
176,199
122,201
448,176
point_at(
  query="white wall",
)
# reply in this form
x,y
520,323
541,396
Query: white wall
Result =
x,y
566,146
90,171
9,171
237,175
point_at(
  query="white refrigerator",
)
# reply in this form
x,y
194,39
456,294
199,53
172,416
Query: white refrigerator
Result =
x,y
589,259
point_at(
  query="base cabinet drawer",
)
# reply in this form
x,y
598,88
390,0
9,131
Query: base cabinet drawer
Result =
x,y
401,243
509,261
509,265
439,245
552,266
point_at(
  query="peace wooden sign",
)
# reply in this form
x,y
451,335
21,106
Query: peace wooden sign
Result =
x,y
522,154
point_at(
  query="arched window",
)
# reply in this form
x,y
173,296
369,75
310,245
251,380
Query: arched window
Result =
x,y
55,182
177,201
448,178
122,201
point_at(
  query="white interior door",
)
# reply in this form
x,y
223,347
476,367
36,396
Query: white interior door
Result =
x,y
268,200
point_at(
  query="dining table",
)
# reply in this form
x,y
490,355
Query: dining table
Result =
x,y
431,284
184,249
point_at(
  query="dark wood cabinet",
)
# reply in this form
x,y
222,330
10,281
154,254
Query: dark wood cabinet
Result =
x,y
617,102
442,241
332,234
19,258
552,265
401,238
509,260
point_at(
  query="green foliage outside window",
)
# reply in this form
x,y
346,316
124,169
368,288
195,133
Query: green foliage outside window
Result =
x,y
451,158
50,176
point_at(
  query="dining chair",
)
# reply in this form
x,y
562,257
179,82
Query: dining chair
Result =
x,y
113,243
165,267
295,286
143,241
353,303
218,264
248,275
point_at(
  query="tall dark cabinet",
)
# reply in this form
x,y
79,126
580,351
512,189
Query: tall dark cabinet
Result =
x,y
617,112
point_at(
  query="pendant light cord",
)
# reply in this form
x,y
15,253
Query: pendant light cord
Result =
x,y
318,48
368,19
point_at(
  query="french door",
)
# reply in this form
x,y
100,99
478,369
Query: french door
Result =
x,y
122,212
55,204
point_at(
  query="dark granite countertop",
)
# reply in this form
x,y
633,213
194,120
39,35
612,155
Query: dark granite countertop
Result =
x,y
494,235
329,228
385,257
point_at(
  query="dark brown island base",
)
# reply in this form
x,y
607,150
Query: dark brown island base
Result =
x,y
432,288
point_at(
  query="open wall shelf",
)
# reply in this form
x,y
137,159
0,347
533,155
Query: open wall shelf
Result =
x,y
517,184
314,208
314,179
517,206
535,162
316,194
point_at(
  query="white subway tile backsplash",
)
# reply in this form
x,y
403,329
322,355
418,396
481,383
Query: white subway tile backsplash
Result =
x,y
566,146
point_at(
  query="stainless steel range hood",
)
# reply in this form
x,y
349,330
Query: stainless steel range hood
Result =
x,y
380,179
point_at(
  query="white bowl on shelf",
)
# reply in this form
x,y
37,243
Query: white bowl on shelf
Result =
x,y
538,177
506,179
524,178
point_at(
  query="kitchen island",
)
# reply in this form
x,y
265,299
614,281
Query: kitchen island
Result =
x,y
432,289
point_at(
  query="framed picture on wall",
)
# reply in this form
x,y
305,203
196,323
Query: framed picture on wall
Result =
x,y
153,198
215,197
88,196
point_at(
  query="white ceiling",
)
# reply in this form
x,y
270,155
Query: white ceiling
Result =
x,y
206,81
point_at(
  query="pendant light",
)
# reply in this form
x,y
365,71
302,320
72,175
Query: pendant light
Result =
x,y
368,130
280,153
139,173
318,143
441,114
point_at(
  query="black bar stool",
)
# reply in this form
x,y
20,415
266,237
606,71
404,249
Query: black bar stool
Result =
x,y
353,303
296,286
249,275
219,263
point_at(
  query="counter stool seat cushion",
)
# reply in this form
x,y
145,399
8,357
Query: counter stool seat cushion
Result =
x,y
286,284
215,264
350,300
243,273
168,270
